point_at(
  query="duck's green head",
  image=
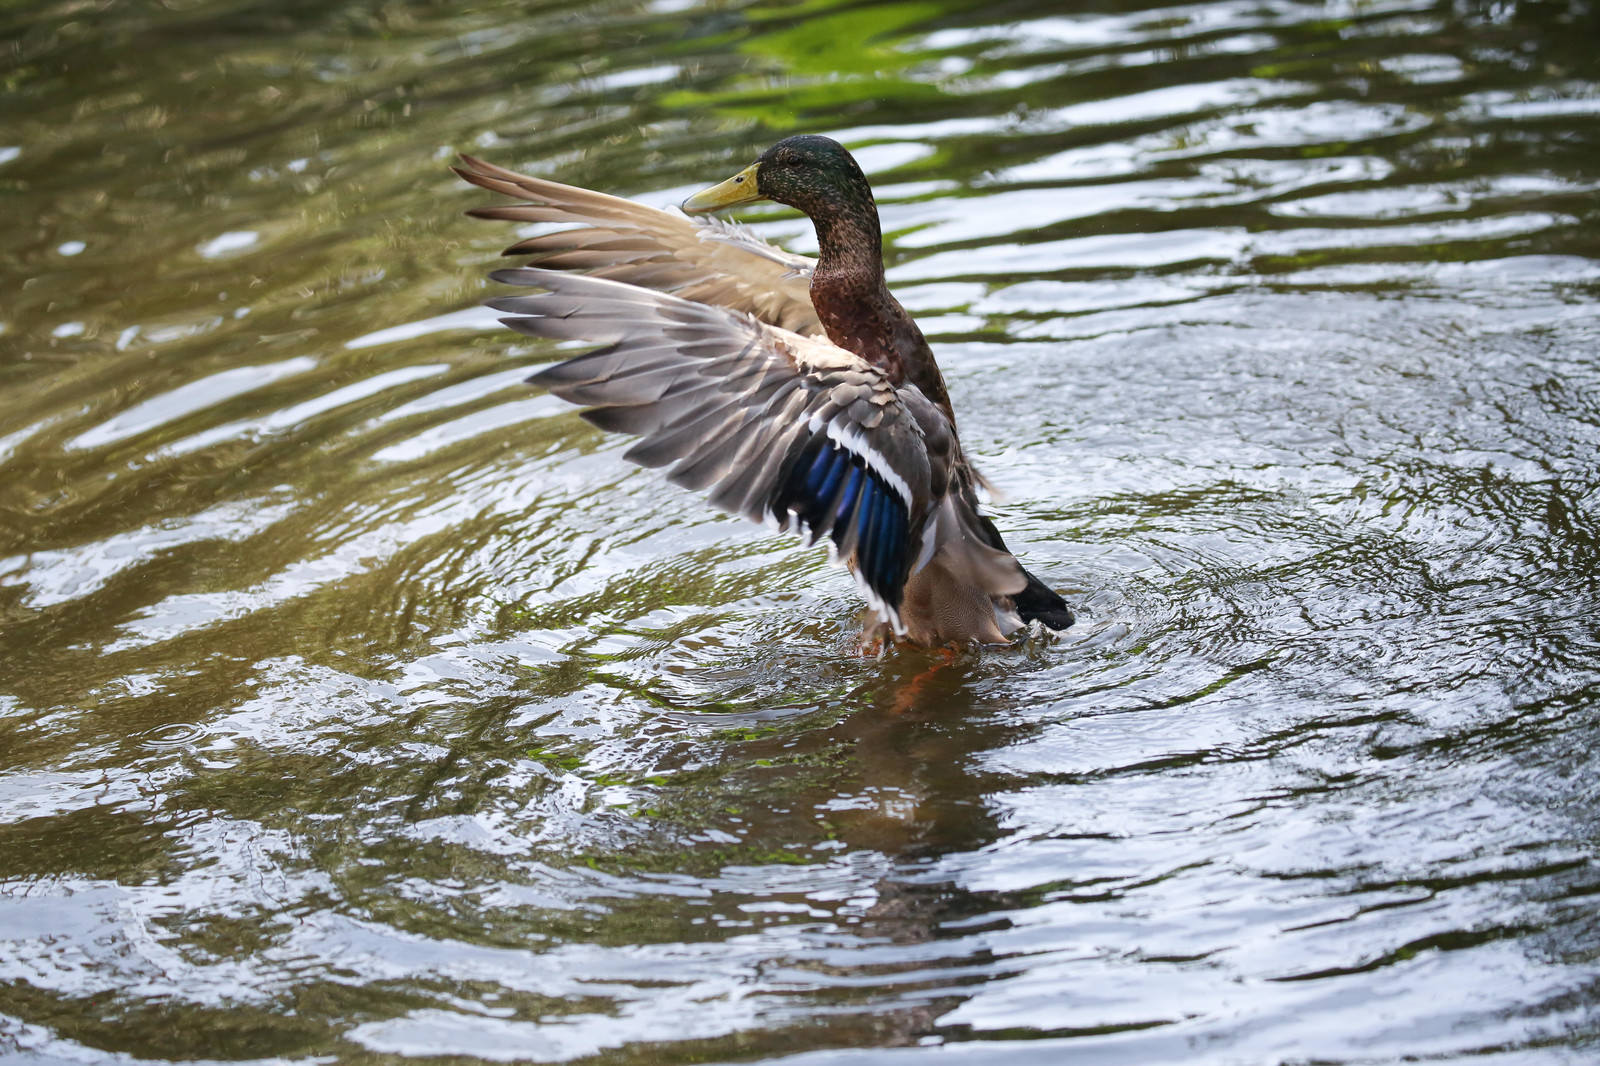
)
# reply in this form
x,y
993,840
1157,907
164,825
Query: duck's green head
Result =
x,y
812,173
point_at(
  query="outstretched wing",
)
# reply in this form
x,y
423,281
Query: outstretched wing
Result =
x,y
704,260
772,425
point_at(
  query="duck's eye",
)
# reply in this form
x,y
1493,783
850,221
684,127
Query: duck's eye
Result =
x,y
739,180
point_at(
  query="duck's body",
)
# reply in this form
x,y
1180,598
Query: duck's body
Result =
x,y
791,390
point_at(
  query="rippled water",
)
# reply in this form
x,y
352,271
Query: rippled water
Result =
x,y
357,701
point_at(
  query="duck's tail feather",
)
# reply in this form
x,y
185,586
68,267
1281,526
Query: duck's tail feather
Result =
x,y
1037,602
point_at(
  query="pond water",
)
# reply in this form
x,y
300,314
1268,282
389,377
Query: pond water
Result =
x,y
358,703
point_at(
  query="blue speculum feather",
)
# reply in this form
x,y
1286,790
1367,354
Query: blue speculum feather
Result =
x,y
841,463
851,489
886,546
822,481
869,499
820,467
880,535
825,477
894,546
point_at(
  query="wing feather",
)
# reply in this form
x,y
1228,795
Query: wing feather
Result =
x,y
772,425
702,260
769,423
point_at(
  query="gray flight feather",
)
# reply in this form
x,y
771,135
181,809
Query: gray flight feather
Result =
x,y
728,402
705,260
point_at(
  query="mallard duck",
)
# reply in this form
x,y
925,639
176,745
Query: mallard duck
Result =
x,y
790,390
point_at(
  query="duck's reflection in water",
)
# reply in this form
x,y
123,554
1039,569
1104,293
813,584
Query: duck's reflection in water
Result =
x,y
888,793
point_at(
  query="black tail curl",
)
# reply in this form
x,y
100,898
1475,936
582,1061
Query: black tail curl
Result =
x,y
1038,603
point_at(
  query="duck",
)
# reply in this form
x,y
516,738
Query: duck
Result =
x,y
792,391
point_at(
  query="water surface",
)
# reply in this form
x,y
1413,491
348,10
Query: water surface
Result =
x,y
358,703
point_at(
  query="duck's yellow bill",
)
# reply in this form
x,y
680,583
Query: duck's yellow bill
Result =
x,y
739,189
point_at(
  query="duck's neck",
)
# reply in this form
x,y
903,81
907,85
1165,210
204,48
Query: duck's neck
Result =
x,y
855,306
